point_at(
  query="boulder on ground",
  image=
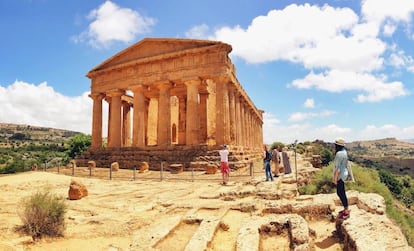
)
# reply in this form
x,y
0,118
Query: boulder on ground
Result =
x,y
211,169
77,190
144,167
115,166
176,168
91,164
72,164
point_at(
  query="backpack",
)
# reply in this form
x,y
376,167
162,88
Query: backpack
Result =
x,y
268,156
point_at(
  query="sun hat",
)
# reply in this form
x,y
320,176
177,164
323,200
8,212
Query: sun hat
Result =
x,y
340,142
225,146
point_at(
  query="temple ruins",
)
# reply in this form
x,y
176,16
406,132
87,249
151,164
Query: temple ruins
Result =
x,y
172,100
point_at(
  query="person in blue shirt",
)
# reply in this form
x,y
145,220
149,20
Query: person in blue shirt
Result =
x,y
340,175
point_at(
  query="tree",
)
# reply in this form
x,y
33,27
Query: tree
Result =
x,y
78,144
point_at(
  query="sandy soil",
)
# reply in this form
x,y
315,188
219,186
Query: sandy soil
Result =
x,y
120,213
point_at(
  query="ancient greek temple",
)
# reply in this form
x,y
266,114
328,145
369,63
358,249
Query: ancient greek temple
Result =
x,y
164,93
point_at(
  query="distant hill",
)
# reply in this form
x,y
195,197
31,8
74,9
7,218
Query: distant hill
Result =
x,y
15,132
390,154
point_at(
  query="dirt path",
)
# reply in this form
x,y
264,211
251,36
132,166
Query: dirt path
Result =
x,y
146,214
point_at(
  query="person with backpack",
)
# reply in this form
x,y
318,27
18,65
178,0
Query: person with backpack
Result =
x,y
267,157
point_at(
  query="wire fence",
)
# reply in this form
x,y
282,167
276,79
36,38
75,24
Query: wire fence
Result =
x,y
254,169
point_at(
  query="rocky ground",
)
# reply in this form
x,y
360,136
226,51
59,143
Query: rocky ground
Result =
x,y
193,211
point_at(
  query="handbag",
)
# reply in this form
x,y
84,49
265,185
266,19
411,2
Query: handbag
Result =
x,y
350,177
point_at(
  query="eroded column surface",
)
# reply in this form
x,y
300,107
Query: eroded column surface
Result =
x,y
115,121
97,120
139,117
181,119
164,114
126,124
192,127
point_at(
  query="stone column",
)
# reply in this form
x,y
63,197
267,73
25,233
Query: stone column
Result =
x,y
232,115
193,119
97,120
222,107
108,133
243,118
164,114
238,118
139,117
181,119
126,124
115,121
203,117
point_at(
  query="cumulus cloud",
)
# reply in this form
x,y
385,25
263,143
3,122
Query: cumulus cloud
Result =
x,y
374,88
309,103
41,105
300,116
198,31
112,23
345,50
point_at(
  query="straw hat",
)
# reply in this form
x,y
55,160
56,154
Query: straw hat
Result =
x,y
340,142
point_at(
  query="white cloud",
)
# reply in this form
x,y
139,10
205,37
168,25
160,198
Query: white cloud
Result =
x,y
309,103
336,41
380,10
41,105
317,37
375,88
385,131
111,23
198,31
300,116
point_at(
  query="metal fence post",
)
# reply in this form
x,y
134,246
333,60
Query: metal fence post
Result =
x,y
192,174
59,167
110,172
135,170
73,169
161,170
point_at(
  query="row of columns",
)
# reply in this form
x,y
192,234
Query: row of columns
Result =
x,y
236,122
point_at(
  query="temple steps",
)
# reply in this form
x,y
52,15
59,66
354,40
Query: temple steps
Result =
x,y
190,157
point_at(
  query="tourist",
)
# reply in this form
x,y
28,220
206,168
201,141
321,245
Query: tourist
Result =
x,y
224,163
340,175
267,157
276,160
286,162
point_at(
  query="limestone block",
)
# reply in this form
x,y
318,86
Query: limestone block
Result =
x,y
176,168
77,190
144,167
91,164
211,169
72,164
115,166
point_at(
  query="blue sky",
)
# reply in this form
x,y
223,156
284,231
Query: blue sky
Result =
x,y
319,69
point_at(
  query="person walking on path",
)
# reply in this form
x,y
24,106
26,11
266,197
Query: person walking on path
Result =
x,y
340,175
286,162
276,160
224,163
267,157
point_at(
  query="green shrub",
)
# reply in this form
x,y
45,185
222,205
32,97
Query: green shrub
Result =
x,y
43,215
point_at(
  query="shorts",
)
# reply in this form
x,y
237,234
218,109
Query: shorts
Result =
x,y
225,167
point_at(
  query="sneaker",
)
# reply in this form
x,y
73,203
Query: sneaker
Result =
x,y
344,216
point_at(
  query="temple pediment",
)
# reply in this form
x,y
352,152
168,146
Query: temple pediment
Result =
x,y
152,47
